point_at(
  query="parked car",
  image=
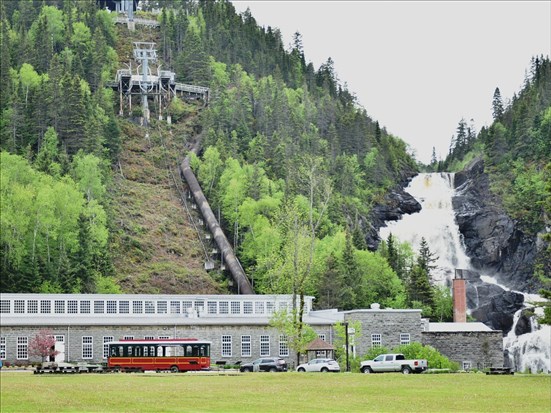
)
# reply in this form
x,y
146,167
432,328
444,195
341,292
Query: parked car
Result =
x,y
321,365
271,364
393,362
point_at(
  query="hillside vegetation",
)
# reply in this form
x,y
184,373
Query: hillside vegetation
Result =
x,y
287,156
516,150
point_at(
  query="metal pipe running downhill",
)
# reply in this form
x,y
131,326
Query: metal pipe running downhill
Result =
x,y
243,284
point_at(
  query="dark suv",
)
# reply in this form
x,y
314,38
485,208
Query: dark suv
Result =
x,y
271,364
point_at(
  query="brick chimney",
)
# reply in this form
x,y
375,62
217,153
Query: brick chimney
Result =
x,y
459,298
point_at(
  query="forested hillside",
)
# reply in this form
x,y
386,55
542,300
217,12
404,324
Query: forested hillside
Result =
x,y
516,151
288,158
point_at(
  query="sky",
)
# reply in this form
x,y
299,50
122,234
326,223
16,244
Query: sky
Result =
x,y
418,67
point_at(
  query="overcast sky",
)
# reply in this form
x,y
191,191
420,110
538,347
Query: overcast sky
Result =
x,y
418,67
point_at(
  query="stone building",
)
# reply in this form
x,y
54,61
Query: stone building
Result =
x,y
236,325
472,345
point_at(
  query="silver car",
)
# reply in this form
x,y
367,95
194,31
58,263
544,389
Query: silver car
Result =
x,y
321,365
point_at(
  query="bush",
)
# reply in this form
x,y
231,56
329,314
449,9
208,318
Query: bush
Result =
x,y
435,359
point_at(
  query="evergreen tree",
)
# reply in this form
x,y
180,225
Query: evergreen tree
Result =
x,y
433,160
497,105
426,258
350,276
330,285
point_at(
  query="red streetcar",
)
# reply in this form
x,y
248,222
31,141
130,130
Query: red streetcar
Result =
x,y
175,354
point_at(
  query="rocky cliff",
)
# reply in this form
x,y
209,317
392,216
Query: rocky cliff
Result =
x,y
492,240
396,203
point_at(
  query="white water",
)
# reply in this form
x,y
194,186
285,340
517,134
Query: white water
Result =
x,y
436,223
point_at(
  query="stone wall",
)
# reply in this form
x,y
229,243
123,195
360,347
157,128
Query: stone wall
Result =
x,y
478,349
389,324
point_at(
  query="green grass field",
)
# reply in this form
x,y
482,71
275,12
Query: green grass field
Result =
x,y
273,392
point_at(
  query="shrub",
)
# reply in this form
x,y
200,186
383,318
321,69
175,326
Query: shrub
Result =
x,y
435,359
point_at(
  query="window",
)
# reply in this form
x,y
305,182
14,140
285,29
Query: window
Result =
x,y
264,346
259,307
106,339
99,307
32,306
376,340
223,307
149,338
466,365
128,338
72,306
87,347
45,306
175,307
22,348
59,306
111,307
85,307
404,338
236,307
283,346
5,306
186,306
226,346
150,307
162,307
322,336
19,306
2,348
124,307
212,307
248,307
245,346
199,306
270,307
137,307
283,307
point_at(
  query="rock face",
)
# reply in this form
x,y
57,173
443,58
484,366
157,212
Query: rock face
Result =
x,y
490,303
491,238
397,203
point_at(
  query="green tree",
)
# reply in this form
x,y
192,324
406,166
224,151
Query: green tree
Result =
x,y
298,335
48,154
497,105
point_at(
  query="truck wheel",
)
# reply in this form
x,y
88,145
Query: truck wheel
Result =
x,y
273,370
174,369
406,370
367,370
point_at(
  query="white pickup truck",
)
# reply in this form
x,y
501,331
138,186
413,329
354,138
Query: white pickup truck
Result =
x,y
393,362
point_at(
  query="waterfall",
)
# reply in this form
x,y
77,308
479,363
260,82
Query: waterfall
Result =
x,y
531,351
436,223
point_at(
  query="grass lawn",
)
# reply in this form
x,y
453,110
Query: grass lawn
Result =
x,y
273,392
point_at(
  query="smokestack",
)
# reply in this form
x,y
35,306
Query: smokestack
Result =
x,y
459,298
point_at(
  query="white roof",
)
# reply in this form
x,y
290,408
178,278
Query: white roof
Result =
x,y
457,327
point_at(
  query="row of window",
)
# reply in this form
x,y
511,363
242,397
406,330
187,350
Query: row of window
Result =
x,y
88,346
139,307
246,346
377,339
226,345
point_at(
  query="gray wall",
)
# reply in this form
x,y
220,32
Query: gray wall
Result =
x,y
388,323
480,349
73,339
